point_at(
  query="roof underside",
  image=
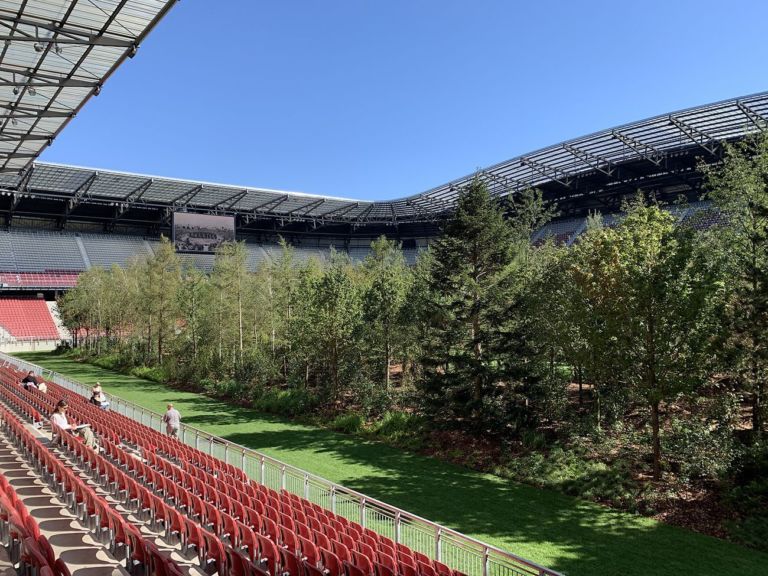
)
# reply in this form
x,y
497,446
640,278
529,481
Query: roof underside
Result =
x,y
56,54
657,155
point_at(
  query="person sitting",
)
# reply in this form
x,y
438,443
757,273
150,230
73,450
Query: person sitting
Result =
x,y
59,420
30,381
98,398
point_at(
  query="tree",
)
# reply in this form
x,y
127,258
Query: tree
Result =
x,y
662,303
160,283
739,189
387,284
478,267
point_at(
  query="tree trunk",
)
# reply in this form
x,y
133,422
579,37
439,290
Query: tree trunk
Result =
x,y
757,410
656,440
580,378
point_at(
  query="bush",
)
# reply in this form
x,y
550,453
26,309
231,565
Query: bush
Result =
x,y
350,423
577,474
154,373
291,402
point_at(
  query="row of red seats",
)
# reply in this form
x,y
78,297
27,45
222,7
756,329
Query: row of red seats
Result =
x,y
216,492
86,503
21,533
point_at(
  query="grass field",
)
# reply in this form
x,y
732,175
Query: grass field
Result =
x,y
574,537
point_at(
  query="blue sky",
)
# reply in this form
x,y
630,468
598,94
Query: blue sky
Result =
x,y
381,99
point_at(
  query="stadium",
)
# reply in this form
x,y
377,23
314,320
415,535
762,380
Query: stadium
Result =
x,y
149,504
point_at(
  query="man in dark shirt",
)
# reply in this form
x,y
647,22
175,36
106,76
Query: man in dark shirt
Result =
x,y
29,380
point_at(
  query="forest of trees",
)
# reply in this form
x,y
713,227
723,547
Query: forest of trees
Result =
x,y
639,355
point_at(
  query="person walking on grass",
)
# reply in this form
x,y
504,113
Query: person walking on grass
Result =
x,y
172,420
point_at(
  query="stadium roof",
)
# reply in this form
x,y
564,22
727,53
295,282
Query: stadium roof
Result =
x,y
55,55
659,154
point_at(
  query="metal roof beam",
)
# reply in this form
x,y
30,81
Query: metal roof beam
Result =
x,y
277,201
16,136
647,151
24,112
555,174
308,207
509,184
757,119
188,195
139,191
695,135
64,34
593,160
362,217
234,198
341,210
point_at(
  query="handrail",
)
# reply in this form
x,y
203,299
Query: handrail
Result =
x,y
460,552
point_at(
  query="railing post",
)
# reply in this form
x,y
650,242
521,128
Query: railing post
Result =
x,y
306,486
226,460
486,554
398,519
438,542
262,470
282,476
333,499
242,462
197,440
210,445
362,512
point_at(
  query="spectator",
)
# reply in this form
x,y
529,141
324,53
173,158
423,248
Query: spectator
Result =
x,y
98,398
29,380
59,420
172,420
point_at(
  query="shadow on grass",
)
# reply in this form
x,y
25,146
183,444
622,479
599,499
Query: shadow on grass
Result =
x,y
565,534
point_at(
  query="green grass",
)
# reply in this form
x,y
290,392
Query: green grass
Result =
x,y
566,534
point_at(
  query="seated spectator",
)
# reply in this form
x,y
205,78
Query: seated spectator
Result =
x,y
98,398
30,380
59,420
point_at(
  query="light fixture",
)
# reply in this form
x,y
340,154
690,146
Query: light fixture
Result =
x,y
39,46
32,91
16,90
14,122
58,49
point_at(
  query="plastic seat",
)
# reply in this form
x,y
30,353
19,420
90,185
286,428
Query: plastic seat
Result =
x,y
331,563
362,561
383,570
290,563
311,570
269,555
426,569
353,570
309,551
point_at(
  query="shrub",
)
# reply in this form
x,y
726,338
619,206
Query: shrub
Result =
x,y
154,373
350,423
291,402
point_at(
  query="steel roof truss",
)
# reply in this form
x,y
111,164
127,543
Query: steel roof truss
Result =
x,y
187,196
555,174
697,136
269,203
645,150
509,184
231,200
757,119
364,214
64,34
136,194
340,211
593,160
308,207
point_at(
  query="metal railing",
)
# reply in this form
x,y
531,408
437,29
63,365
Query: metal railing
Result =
x,y
460,552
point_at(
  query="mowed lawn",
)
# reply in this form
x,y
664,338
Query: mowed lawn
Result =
x,y
574,537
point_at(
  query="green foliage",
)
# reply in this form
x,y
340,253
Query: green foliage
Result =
x,y
291,402
351,423
154,373
574,472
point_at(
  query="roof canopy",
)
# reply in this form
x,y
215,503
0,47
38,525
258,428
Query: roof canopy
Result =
x,y
54,55
659,153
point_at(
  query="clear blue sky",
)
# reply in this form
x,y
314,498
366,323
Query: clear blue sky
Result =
x,y
380,99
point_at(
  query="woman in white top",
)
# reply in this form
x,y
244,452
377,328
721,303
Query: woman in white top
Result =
x,y
59,416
